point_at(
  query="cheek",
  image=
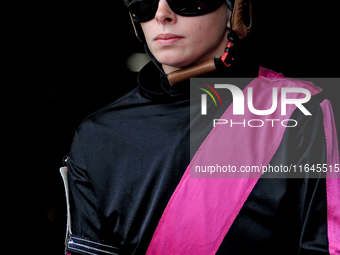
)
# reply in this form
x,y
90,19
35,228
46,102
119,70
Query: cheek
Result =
x,y
147,28
205,33
195,33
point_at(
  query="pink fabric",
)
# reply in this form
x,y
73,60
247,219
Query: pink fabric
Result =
x,y
201,210
267,73
333,180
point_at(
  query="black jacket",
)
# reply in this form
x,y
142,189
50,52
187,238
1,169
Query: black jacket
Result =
x,y
122,173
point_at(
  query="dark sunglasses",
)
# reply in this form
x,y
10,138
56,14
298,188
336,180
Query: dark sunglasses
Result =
x,y
144,10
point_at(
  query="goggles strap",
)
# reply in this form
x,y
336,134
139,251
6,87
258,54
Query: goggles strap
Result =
x,y
229,53
211,65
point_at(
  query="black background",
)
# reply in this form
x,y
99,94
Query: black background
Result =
x,y
67,59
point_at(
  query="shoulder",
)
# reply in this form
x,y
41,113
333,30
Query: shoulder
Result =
x,y
310,92
110,112
101,124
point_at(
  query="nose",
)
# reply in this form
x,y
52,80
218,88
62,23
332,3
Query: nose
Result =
x,y
164,13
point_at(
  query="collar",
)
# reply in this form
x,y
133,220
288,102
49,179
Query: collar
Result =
x,y
154,84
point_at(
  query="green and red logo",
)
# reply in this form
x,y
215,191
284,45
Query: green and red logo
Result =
x,y
204,97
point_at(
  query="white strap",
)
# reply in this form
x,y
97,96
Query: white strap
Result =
x,y
63,172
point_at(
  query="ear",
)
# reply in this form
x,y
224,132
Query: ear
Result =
x,y
241,20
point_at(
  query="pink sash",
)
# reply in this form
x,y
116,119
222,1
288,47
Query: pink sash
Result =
x,y
201,210
333,180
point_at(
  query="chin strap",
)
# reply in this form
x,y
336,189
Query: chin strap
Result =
x,y
211,65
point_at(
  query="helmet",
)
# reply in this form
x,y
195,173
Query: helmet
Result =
x,y
241,18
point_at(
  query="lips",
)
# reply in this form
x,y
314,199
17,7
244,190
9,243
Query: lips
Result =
x,y
167,39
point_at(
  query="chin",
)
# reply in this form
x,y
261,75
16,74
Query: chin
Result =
x,y
174,60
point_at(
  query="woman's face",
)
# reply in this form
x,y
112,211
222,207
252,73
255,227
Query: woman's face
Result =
x,y
178,41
